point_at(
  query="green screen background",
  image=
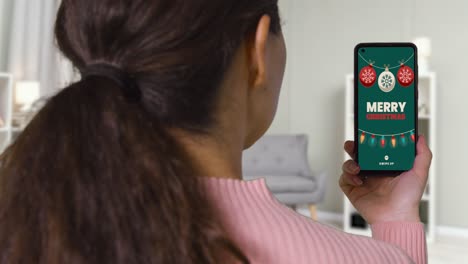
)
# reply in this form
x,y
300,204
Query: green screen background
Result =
x,y
402,157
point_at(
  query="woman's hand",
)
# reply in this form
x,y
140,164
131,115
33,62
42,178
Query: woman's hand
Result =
x,y
383,199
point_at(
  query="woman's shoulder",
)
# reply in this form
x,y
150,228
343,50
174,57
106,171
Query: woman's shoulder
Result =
x,y
270,232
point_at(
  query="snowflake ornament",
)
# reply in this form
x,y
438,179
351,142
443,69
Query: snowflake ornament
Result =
x,y
386,81
368,76
405,76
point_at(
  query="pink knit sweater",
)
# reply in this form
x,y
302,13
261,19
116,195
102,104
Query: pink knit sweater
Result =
x,y
269,232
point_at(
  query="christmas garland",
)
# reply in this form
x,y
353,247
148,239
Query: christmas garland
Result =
x,y
370,138
383,68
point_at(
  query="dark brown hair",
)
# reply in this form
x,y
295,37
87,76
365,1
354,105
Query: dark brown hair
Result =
x,y
96,179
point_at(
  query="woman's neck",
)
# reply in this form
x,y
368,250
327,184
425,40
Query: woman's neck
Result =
x,y
210,157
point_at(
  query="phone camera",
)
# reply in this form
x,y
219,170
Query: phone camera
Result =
x,y
363,50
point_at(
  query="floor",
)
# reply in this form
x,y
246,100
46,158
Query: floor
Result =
x,y
445,250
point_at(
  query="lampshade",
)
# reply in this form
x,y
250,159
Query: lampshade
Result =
x,y
26,92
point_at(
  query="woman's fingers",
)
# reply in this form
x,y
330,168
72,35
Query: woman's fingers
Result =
x,y
348,181
423,158
349,148
351,167
349,176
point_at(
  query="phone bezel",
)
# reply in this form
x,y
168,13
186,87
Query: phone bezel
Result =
x,y
416,95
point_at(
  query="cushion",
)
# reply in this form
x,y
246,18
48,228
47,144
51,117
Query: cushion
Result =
x,y
277,155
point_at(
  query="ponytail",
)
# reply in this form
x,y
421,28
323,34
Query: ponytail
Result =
x,y
96,176
96,179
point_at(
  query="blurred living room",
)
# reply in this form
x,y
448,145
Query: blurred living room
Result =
x,y
301,155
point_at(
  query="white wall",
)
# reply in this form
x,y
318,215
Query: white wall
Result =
x,y
321,36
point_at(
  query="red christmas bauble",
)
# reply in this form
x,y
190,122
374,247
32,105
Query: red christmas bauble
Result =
x,y
405,76
367,76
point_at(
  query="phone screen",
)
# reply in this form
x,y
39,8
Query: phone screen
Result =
x,y
386,101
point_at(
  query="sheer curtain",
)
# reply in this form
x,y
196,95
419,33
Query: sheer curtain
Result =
x,y
32,54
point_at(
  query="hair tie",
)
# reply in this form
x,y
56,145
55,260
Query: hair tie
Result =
x,y
126,82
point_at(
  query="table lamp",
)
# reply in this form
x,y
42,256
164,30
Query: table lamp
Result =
x,y
26,93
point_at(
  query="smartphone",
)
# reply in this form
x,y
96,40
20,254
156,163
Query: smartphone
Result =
x,y
385,107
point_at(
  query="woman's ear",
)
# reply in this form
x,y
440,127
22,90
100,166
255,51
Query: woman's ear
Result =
x,y
257,52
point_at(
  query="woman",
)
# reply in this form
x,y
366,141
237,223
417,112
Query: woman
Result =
x,y
140,160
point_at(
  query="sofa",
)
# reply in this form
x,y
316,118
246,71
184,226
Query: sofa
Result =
x,y
283,161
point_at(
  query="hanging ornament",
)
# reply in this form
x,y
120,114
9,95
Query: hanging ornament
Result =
x,y
405,75
403,140
383,142
413,137
372,141
368,76
393,142
363,137
386,80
